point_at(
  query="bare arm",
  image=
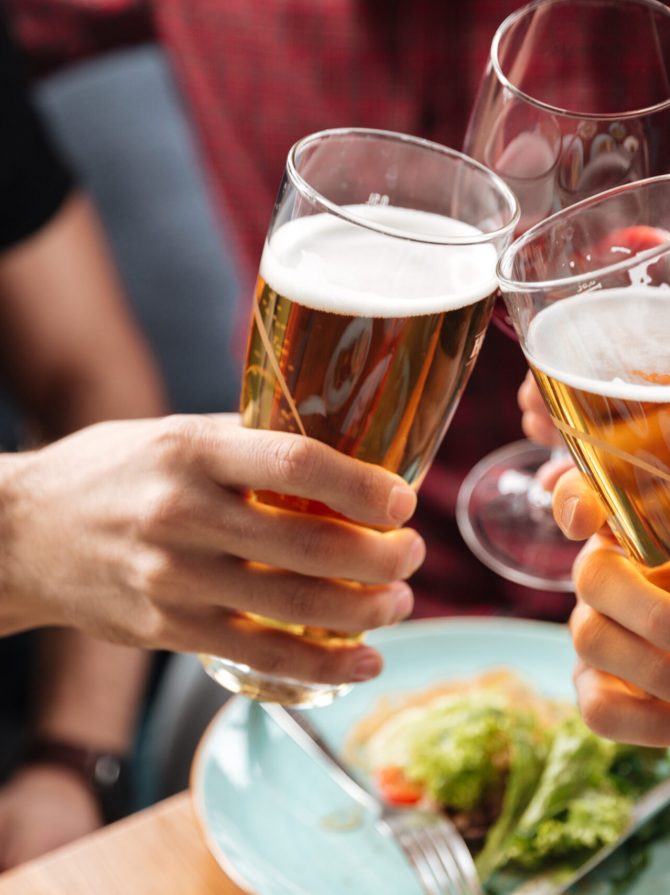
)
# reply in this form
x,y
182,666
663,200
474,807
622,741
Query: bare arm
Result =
x,y
73,357
69,346
139,531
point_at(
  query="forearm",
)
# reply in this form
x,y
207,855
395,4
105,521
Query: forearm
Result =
x,y
72,352
87,363
89,690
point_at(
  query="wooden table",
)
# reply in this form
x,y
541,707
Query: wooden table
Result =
x,y
156,852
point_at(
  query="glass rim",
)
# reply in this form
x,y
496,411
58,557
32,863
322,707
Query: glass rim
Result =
x,y
508,283
314,196
516,16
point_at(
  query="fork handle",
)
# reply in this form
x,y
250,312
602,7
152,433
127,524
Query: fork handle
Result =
x,y
310,741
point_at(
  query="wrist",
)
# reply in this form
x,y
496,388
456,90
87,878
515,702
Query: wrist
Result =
x,y
106,775
19,610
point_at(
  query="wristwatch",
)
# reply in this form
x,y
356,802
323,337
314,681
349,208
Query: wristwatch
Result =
x,y
106,774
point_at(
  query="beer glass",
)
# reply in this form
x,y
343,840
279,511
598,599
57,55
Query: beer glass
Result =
x,y
575,100
588,291
375,287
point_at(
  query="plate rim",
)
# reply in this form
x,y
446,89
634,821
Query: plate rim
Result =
x,y
197,772
397,632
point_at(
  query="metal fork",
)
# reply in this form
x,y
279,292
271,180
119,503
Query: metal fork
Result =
x,y
430,840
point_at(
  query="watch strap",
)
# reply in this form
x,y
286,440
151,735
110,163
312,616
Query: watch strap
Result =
x,y
106,774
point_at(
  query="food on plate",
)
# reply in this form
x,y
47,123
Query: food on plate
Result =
x,y
524,779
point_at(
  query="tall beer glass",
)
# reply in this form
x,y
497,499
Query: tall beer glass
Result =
x,y
589,293
375,288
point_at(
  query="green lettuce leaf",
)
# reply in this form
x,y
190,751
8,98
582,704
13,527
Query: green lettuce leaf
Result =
x,y
528,749
591,820
460,751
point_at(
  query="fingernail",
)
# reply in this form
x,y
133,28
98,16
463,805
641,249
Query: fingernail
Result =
x,y
369,665
415,557
404,602
567,515
402,503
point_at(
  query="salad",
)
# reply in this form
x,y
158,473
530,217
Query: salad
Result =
x,y
527,783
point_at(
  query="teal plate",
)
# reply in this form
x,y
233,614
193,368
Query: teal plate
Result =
x,y
278,824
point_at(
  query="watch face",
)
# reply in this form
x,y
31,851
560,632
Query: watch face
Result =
x,y
111,782
106,771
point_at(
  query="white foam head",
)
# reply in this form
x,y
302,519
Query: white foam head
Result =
x,y
330,264
596,341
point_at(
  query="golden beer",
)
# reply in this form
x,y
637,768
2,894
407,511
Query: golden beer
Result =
x,y
601,361
362,343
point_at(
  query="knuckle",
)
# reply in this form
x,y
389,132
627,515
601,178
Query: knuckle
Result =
x,y
155,575
591,576
295,461
152,627
392,562
657,675
177,436
164,511
318,545
596,711
328,666
656,624
588,630
364,486
302,601
377,612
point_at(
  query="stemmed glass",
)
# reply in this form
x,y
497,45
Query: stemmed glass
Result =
x,y
575,99
375,287
592,311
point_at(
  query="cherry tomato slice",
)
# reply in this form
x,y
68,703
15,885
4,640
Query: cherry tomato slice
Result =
x,y
396,788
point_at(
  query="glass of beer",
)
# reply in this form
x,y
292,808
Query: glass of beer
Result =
x,y
589,293
375,287
575,100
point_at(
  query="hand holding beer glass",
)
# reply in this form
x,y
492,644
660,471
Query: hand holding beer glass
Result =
x,y
375,288
588,291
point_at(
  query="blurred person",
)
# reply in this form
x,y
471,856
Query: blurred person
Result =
x,y
254,81
109,529
72,356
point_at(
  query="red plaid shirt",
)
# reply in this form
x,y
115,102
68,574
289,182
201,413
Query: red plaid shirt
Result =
x,y
259,75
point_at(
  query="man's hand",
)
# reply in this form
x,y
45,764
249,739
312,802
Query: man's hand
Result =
x,y
620,626
140,532
41,808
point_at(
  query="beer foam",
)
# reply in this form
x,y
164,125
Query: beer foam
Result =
x,y
598,340
329,264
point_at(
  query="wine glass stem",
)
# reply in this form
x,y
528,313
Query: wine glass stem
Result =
x,y
539,499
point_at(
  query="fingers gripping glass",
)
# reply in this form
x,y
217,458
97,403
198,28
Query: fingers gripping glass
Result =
x,y
375,287
575,100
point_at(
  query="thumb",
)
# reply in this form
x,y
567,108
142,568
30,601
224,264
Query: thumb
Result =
x,y
578,510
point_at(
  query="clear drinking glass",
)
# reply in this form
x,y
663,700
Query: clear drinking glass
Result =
x,y
375,287
575,100
588,291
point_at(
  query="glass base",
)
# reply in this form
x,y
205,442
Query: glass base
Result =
x,y
505,519
268,688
